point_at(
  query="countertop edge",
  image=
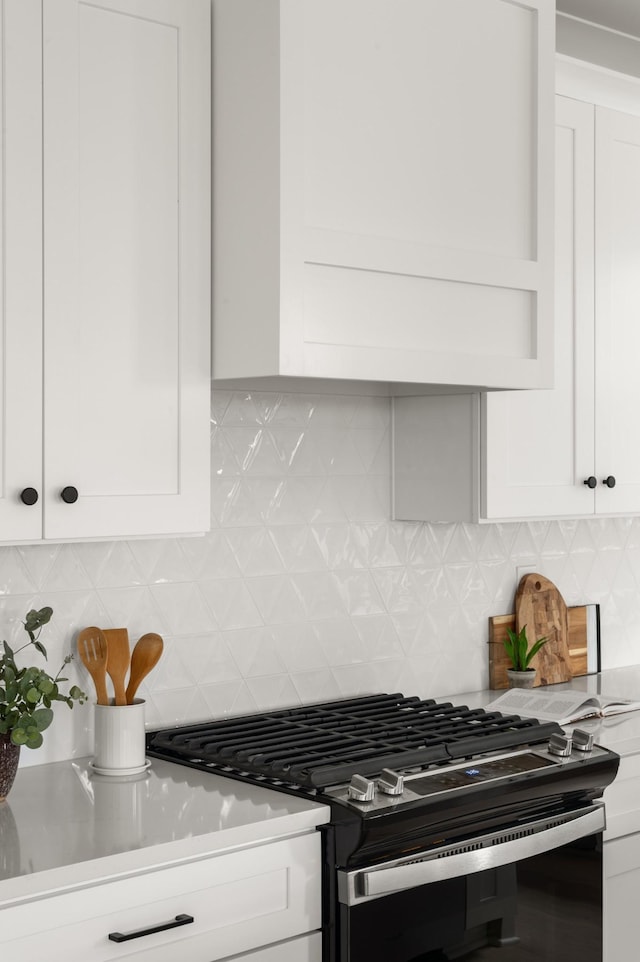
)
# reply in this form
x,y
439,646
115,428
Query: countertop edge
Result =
x,y
97,871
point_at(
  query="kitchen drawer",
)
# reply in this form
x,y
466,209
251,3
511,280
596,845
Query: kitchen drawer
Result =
x,y
239,901
306,949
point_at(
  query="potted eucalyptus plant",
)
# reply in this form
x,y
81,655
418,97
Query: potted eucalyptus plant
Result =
x,y
521,674
26,697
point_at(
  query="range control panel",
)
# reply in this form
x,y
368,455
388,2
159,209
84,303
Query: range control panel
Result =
x,y
486,771
393,788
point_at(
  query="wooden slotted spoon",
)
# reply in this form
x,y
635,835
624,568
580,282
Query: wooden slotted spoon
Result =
x,y
92,648
118,660
145,656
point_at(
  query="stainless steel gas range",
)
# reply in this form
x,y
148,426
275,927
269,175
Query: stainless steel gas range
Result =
x,y
455,833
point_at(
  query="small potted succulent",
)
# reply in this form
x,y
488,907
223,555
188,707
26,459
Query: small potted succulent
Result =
x,y
26,696
521,674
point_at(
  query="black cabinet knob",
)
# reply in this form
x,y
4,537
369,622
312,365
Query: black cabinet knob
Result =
x,y
29,496
610,481
590,482
69,495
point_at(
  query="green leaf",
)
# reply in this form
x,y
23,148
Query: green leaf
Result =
x,y
535,649
34,740
522,651
517,648
19,736
42,717
9,674
45,685
36,619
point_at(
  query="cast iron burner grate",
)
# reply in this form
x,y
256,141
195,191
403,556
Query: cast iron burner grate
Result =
x,y
325,744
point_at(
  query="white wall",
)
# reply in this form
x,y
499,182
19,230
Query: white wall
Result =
x,y
304,589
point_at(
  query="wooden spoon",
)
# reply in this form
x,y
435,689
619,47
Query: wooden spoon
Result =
x,y
118,660
145,656
92,648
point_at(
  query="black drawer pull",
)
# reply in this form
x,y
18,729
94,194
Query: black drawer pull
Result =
x,y
140,933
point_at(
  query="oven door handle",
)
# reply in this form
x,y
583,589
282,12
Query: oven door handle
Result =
x,y
475,855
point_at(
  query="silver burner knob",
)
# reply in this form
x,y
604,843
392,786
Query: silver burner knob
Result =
x,y
391,783
560,745
361,789
582,741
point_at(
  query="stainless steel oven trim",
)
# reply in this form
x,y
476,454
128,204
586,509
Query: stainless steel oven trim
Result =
x,y
475,855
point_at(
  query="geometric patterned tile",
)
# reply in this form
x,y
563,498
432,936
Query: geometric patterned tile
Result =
x,y
304,589
255,652
231,603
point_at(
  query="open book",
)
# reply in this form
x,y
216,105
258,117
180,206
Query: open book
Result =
x,y
562,707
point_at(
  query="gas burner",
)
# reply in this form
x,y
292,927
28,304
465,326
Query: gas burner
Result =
x,y
327,743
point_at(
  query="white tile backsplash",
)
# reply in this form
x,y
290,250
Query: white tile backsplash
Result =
x,y
304,589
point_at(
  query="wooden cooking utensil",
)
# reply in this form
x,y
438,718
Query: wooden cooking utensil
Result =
x,y
118,660
145,656
540,606
92,648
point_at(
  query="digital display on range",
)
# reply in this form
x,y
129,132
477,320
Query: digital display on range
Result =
x,y
443,780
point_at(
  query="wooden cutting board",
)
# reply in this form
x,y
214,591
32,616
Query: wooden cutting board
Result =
x,y
540,606
582,658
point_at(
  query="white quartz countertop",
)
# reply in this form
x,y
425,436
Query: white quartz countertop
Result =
x,y
64,826
619,733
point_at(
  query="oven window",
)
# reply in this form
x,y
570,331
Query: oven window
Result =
x,y
547,908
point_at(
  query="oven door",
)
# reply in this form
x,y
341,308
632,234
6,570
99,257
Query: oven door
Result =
x,y
530,893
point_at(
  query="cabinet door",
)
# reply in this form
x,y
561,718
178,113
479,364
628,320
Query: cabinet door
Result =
x,y
21,268
419,240
127,255
621,881
617,310
239,901
539,445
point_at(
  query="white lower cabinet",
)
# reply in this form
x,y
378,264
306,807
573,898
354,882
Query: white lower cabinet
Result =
x,y
622,863
241,903
621,886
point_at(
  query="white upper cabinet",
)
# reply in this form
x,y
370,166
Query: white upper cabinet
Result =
x,y
574,450
383,190
540,446
122,321
617,310
21,273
